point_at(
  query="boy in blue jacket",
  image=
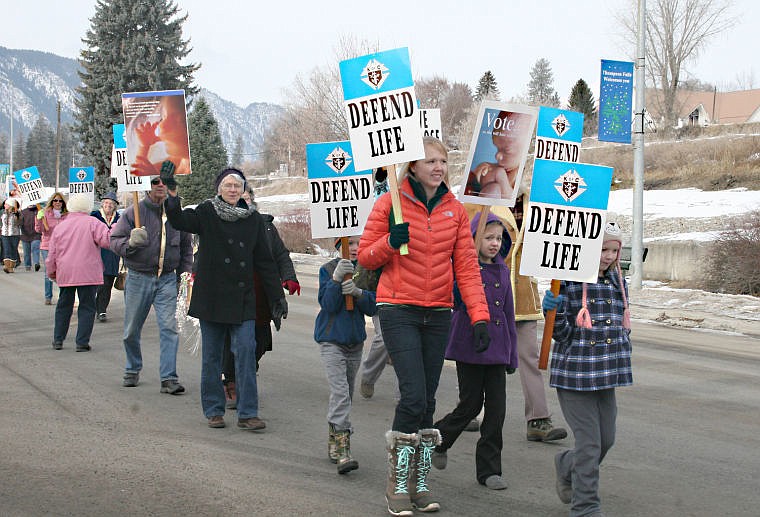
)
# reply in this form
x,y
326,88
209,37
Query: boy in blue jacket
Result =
x,y
341,335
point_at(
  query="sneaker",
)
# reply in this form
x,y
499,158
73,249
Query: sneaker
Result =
x,y
495,482
216,422
251,424
367,390
36,267
83,348
172,387
473,426
542,430
564,489
57,345
102,317
131,380
439,459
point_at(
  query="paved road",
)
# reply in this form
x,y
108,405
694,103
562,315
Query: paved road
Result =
x,y
74,442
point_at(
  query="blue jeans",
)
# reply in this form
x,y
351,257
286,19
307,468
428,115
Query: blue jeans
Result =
x,y
415,338
85,313
243,347
31,252
48,282
10,247
140,293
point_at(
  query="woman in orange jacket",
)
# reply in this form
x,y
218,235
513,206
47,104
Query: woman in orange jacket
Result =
x,y
414,298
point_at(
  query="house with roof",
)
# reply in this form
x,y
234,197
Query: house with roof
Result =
x,y
703,108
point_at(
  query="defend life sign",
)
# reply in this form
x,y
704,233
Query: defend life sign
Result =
x,y
340,197
381,109
30,185
82,181
558,135
125,180
565,224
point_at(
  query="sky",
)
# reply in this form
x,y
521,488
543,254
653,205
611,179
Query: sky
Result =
x,y
253,51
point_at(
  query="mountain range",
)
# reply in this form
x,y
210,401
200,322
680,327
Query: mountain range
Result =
x,y
38,80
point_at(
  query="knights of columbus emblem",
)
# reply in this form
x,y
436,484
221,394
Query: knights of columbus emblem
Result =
x,y
570,185
81,174
375,74
338,160
561,125
26,175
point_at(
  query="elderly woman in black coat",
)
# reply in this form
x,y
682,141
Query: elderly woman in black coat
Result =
x,y
232,246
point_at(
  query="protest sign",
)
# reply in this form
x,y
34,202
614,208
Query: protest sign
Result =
x,y
615,101
430,122
558,135
498,152
30,186
125,180
156,131
82,181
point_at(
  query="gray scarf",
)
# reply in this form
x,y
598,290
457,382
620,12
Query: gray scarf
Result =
x,y
227,212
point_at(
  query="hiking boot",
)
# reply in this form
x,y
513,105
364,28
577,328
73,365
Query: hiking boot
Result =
x,y
332,446
7,265
542,430
172,387
495,482
230,395
48,301
102,317
401,448
216,422
367,390
564,489
83,348
419,492
473,426
439,459
251,424
57,345
130,380
343,450
28,268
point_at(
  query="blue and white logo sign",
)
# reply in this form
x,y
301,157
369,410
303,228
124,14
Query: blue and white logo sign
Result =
x,y
559,134
82,181
30,185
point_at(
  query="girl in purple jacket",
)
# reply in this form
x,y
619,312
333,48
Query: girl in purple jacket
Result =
x,y
481,371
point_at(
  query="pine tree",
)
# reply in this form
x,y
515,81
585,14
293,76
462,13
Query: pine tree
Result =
x,y
207,154
487,88
541,85
237,152
582,101
40,151
5,149
19,152
130,47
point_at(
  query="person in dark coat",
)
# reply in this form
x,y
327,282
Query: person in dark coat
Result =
x,y
232,248
109,216
30,238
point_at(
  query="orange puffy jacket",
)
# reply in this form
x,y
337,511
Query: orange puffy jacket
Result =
x,y
440,249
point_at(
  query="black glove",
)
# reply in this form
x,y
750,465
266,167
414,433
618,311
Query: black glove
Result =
x,y
167,175
482,339
399,235
510,370
279,312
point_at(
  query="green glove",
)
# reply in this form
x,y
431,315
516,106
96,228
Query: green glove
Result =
x,y
40,214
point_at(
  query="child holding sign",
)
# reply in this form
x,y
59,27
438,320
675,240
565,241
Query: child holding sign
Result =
x,y
591,357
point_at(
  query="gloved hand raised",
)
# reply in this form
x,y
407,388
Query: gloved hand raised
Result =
x,y
344,267
167,175
482,339
551,302
399,234
279,312
348,287
292,286
40,214
138,238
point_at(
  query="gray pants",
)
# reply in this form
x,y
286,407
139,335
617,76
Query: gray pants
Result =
x,y
530,376
591,415
341,366
377,357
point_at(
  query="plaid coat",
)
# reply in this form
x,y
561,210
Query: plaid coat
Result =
x,y
597,358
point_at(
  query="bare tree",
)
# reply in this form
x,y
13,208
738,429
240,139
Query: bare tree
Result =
x,y
454,101
677,32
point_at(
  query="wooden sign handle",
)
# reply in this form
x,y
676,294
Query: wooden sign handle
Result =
x,y
396,202
345,254
546,341
136,205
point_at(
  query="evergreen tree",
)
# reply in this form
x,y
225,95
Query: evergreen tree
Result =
x,y
582,101
40,151
207,154
5,149
541,85
19,153
130,47
487,88
237,152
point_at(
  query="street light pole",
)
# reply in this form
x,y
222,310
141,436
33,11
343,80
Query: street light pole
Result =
x,y
10,96
637,239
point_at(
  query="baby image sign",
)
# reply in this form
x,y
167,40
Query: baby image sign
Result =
x,y
381,109
565,224
340,197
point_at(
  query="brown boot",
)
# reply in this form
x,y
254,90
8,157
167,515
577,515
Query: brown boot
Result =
x,y
230,395
343,450
7,265
420,494
401,449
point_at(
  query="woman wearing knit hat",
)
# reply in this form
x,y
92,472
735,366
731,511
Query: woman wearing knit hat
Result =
x,y
10,221
109,216
591,357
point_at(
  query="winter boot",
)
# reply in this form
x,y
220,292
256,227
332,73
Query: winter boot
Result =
x,y
332,446
401,449
343,450
420,494
542,430
8,265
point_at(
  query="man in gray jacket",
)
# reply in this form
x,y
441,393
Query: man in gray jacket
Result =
x,y
154,254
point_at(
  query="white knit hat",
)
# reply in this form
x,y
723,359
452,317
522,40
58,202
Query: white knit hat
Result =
x,y
79,203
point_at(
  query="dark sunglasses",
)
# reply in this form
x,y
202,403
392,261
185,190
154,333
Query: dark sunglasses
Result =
x,y
58,201
155,181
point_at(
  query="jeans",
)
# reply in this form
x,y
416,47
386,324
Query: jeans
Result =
x,y
415,338
85,313
243,347
48,282
103,297
10,247
31,252
140,293
341,365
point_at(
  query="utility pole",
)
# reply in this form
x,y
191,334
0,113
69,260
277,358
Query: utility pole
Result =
x,y
637,239
58,148
10,95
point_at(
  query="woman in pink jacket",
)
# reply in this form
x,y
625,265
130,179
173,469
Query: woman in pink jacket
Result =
x,y
55,211
74,262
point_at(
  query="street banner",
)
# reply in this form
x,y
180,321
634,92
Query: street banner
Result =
x,y
340,197
156,131
616,101
498,151
125,180
558,135
30,186
564,227
430,122
381,109
82,181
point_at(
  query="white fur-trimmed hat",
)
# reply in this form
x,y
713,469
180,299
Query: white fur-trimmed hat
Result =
x,y
79,203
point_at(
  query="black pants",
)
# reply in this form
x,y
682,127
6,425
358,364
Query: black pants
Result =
x,y
263,343
103,296
478,385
